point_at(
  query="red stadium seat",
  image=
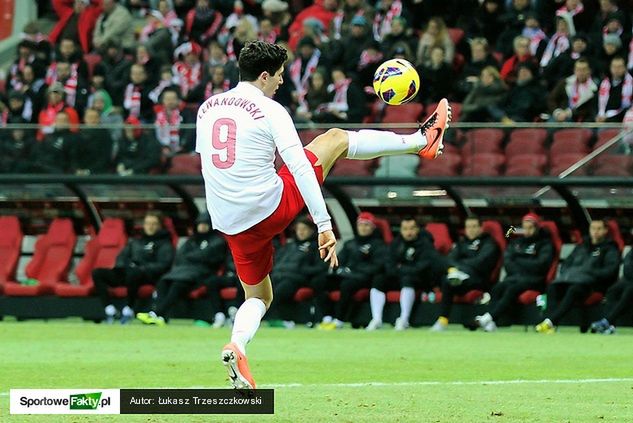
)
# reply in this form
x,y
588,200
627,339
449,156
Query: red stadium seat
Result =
x,y
228,293
406,113
611,171
51,260
530,136
611,164
484,164
604,136
185,164
168,224
561,162
303,294
100,252
496,231
528,160
482,141
441,237
144,291
10,246
445,165
198,292
359,296
578,135
513,170
385,230
347,167
456,110
616,234
456,34
568,146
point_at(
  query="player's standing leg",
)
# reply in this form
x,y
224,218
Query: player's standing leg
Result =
x,y
247,320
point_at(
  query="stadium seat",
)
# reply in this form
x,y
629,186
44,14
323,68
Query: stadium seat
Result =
x,y
536,161
456,34
168,224
604,136
441,236
484,164
198,292
360,296
561,162
615,233
612,165
408,113
529,297
10,246
593,299
385,230
228,293
303,294
185,164
513,170
51,260
482,141
566,146
347,167
529,136
100,252
496,231
456,110
576,135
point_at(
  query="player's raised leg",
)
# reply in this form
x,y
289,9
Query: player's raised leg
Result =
x,y
247,320
368,144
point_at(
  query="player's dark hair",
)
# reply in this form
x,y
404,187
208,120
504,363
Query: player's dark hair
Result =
x,y
259,56
409,218
473,217
305,219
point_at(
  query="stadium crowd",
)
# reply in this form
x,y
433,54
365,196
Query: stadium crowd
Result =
x,y
109,62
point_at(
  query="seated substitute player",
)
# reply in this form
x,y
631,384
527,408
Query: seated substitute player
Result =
x,y
619,299
471,263
197,259
361,262
237,134
297,265
411,262
591,266
143,261
527,261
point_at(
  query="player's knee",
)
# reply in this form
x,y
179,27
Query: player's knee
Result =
x,y
336,134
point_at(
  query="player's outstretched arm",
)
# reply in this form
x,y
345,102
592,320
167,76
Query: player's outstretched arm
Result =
x,y
327,248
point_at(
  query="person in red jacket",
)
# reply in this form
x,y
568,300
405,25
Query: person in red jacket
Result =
x,y
56,104
510,68
323,10
77,20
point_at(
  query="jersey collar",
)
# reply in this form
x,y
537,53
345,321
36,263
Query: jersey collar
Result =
x,y
250,88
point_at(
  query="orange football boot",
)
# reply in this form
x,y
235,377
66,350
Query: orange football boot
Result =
x,y
237,366
434,128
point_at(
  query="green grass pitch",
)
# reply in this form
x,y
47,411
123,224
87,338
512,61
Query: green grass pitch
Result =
x,y
348,375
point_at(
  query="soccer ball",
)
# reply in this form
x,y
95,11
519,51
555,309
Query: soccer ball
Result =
x,y
396,82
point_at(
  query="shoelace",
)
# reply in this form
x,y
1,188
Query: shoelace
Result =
x,y
428,124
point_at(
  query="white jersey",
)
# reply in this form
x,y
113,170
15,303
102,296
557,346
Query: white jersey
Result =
x,y
237,133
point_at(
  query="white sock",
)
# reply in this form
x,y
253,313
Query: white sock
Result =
x,y
219,317
327,319
377,300
110,310
338,323
127,311
247,321
369,143
407,297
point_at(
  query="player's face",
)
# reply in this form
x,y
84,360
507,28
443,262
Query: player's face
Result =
x,y
409,230
364,228
618,69
151,225
472,229
272,82
529,228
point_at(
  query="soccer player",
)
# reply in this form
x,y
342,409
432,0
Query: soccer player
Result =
x,y
237,134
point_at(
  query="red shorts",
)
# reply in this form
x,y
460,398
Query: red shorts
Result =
x,y
253,249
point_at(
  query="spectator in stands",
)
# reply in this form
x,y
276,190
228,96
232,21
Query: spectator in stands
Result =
x,y
217,57
67,52
237,15
323,10
188,70
141,262
108,115
619,299
25,56
117,72
93,151
75,87
300,71
280,18
203,23
316,98
386,12
297,264
77,20
136,101
15,147
533,32
435,35
609,10
437,76
521,55
33,88
614,93
198,259
527,261
575,98
488,92
563,65
161,32
399,34
524,102
55,104
342,22
487,21
512,22
591,266
114,24
18,106
347,51
266,31
216,81
575,12
361,261
470,266
611,48
56,151
480,58
137,152
559,43
170,114
410,264
243,33
370,58
151,64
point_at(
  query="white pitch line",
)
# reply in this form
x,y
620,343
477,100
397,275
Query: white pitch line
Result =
x,y
411,383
